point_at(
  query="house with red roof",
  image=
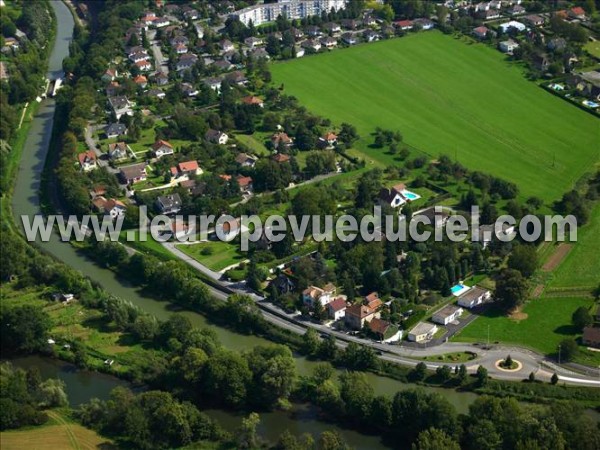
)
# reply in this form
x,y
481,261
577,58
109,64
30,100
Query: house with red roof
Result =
x,y
253,100
143,65
336,309
481,32
87,161
280,140
404,25
245,184
577,13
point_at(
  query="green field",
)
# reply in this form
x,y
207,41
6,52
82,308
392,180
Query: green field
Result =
x,y
451,96
548,322
581,267
593,48
217,256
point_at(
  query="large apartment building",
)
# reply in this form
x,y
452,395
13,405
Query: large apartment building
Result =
x,y
292,9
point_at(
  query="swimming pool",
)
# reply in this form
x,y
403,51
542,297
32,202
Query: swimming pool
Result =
x,y
410,195
459,289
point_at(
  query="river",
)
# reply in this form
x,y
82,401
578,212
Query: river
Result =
x,y
82,386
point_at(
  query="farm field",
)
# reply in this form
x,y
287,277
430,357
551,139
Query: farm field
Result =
x,y
548,322
59,432
450,96
581,267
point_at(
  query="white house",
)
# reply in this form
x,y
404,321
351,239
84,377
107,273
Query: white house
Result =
x,y
447,314
313,294
118,150
473,297
337,307
87,161
216,137
162,148
512,24
393,196
508,46
423,331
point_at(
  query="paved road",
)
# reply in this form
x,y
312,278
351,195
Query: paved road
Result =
x,y
159,59
487,357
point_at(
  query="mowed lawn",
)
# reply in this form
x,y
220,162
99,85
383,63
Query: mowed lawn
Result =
x,y
581,267
454,97
548,322
214,255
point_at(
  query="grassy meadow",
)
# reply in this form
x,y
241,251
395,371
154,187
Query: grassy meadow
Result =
x,y
449,95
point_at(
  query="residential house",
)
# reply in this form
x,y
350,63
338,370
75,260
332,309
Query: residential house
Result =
x,y
114,130
121,106
541,62
371,36
186,169
114,208
488,232
508,46
447,314
118,150
394,196
297,33
156,93
328,41
139,56
473,297
299,51
253,42
186,61
505,27
313,31
424,23
181,49
188,90
328,140
161,22
332,27
534,20
258,53
143,65
373,301
423,331
313,294
311,44
216,137
515,10
134,173
161,79
380,327
223,65
162,148
350,24
489,14
109,75
245,160
179,40
169,204
591,336
349,38
226,45
437,219
336,309
253,100
281,140
87,161
404,25
191,14
141,81
280,158
283,284
245,184
357,315
481,32
212,83
577,13
237,77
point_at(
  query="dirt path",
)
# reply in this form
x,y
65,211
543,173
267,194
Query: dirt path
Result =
x,y
557,257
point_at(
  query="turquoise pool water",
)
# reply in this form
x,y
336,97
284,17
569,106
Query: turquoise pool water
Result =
x,y
410,195
457,287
